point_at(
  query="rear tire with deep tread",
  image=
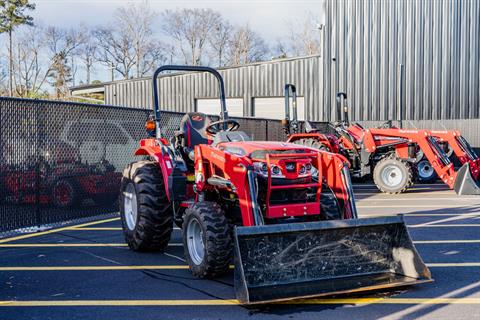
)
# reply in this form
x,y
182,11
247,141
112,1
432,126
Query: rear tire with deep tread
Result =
x,y
217,240
403,167
153,224
312,143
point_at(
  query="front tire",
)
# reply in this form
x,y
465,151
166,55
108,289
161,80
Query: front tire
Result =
x,y
393,175
65,193
329,206
207,240
146,213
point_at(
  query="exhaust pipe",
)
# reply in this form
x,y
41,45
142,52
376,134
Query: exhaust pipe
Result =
x,y
301,260
342,109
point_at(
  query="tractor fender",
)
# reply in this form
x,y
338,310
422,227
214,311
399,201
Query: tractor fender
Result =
x,y
162,158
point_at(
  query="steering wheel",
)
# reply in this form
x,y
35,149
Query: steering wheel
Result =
x,y
217,126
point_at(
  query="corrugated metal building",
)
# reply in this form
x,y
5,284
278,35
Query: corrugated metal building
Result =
x,y
364,44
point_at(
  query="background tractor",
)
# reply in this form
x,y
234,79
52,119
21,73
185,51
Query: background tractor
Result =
x,y
396,157
286,212
310,136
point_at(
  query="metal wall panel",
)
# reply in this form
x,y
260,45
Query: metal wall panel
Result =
x,y
436,41
365,41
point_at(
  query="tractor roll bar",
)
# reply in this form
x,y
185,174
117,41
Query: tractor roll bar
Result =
x,y
293,122
221,88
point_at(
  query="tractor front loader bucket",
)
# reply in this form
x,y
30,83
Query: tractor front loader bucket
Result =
x,y
300,260
465,183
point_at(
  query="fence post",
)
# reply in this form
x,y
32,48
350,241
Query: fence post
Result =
x,y
38,218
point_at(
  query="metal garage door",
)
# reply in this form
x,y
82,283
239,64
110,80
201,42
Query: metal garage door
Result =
x,y
212,106
274,108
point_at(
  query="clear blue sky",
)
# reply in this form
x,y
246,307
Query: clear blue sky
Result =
x,y
268,18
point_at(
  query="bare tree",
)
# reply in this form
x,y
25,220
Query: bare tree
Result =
x,y
280,50
116,50
29,69
304,37
219,40
246,46
190,29
3,77
136,21
87,53
63,47
129,45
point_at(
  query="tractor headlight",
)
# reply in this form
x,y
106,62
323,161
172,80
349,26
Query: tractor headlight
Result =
x,y
303,170
276,170
262,169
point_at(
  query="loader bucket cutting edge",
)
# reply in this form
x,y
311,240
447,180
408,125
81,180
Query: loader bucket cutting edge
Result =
x,y
300,260
465,184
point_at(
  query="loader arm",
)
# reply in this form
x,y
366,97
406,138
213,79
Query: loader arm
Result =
x,y
400,139
458,143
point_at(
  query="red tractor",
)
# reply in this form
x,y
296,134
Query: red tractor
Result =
x,y
58,178
391,154
312,137
284,211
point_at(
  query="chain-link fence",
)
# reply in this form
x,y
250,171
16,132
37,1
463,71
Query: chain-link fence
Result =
x,y
62,161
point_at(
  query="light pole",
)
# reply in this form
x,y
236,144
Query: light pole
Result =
x,y
112,69
320,28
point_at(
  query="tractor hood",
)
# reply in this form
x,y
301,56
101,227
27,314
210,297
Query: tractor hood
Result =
x,y
259,149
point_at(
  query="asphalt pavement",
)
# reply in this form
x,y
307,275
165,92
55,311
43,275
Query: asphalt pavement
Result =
x,y
86,271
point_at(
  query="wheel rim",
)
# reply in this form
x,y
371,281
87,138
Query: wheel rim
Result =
x,y
130,206
425,170
392,175
195,245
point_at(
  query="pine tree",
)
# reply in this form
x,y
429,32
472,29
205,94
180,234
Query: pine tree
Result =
x,y
12,14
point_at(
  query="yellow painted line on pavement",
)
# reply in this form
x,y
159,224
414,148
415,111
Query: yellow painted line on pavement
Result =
x,y
445,241
473,215
212,302
36,234
373,199
175,267
420,206
59,245
462,264
95,229
94,268
107,229
471,225
175,244
54,245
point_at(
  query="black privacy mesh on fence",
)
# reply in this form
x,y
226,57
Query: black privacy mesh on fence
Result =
x,y
61,161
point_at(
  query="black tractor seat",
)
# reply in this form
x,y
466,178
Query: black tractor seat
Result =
x,y
193,130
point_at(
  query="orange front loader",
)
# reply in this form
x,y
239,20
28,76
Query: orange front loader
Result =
x,y
391,154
